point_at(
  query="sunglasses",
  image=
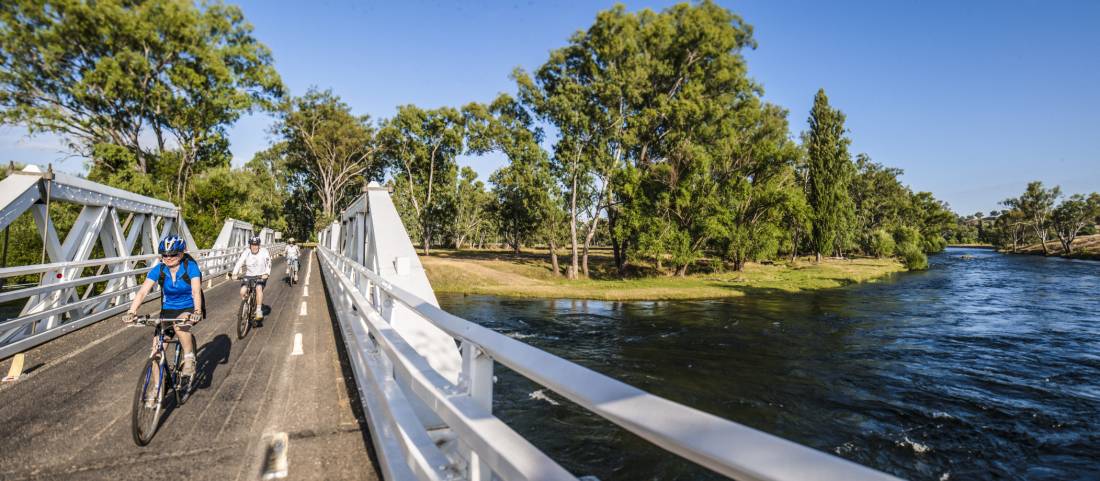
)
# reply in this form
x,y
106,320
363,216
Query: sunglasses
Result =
x,y
169,256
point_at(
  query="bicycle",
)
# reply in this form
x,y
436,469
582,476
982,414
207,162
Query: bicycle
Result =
x,y
161,369
248,306
292,271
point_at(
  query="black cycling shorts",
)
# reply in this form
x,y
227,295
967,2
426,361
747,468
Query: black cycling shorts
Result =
x,y
176,314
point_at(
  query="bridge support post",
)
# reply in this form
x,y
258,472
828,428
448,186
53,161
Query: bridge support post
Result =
x,y
477,375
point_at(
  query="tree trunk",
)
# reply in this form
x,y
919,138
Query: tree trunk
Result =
x,y
682,270
818,257
554,258
794,245
614,238
739,265
588,239
427,240
621,262
573,230
1067,241
1042,238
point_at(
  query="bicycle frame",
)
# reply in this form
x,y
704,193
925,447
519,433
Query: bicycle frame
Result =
x,y
159,373
160,340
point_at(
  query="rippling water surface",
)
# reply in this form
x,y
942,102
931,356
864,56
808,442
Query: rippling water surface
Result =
x,y
985,367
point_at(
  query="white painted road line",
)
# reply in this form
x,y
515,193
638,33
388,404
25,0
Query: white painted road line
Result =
x,y
305,292
275,459
302,311
297,345
309,269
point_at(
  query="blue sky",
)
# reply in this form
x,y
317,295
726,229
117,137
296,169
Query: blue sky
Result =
x,y
972,99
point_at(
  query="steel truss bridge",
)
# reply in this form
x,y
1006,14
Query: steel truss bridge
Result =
x,y
356,372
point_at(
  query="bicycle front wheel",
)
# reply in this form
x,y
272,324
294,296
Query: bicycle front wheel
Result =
x,y
148,399
244,319
184,385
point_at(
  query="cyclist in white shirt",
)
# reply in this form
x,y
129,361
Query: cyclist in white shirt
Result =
x,y
292,254
257,264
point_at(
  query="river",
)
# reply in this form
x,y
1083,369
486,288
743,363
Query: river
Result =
x,y
986,366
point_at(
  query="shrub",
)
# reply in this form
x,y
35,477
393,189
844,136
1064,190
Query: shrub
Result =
x,y
880,244
912,256
934,244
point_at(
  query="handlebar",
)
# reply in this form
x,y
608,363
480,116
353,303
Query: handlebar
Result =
x,y
154,321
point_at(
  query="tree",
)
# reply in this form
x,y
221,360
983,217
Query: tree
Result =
x,y
153,77
830,171
421,146
472,205
525,193
1036,205
247,194
758,185
525,187
335,150
878,196
1073,215
932,218
638,97
1010,226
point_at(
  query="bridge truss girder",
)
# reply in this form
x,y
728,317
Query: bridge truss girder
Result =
x,y
124,226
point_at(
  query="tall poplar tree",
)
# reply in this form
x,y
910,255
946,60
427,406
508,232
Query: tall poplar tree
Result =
x,y
830,170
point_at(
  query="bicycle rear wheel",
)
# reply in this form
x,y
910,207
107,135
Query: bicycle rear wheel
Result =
x,y
148,399
244,318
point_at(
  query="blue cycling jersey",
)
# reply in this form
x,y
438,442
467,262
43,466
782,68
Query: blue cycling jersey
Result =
x,y
177,293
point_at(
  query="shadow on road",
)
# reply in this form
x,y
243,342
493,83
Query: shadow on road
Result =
x,y
208,357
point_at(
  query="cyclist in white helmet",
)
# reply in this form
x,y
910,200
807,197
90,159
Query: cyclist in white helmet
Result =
x,y
293,252
256,262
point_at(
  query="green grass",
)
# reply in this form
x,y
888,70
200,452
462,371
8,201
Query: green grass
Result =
x,y
499,273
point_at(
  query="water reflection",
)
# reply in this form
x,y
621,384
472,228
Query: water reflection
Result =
x,y
984,367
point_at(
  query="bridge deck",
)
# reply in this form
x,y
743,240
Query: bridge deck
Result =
x,y
69,416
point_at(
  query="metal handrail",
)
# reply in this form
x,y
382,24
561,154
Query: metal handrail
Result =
x,y
718,444
506,452
13,338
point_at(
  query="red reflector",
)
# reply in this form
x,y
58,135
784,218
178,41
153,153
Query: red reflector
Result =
x,y
58,275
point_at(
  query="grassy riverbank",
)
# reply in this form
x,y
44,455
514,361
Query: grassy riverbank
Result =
x,y
500,273
1084,247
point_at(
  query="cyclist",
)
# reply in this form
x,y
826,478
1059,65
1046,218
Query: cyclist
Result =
x,y
181,296
257,265
292,254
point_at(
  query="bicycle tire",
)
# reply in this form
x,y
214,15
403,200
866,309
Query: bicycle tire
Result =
x,y
183,392
244,318
174,366
143,422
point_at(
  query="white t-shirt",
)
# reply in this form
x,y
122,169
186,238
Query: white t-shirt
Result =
x,y
258,264
292,252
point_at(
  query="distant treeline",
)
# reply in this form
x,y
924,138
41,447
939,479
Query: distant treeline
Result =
x,y
1039,215
665,150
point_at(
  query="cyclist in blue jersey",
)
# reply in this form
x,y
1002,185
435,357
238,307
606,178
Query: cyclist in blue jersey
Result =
x,y
181,296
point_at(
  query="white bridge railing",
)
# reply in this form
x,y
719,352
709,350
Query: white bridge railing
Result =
x,y
72,289
458,437
25,331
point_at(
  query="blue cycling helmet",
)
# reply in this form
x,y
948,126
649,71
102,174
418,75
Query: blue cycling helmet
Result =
x,y
171,244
